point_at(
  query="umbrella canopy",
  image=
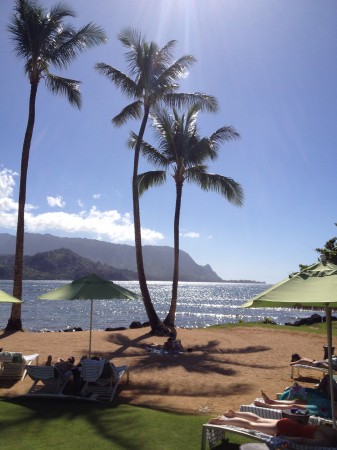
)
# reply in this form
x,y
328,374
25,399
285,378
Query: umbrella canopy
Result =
x,y
6,298
90,288
316,287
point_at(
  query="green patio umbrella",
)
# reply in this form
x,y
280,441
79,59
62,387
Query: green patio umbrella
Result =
x,y
90,288
6,298
314,287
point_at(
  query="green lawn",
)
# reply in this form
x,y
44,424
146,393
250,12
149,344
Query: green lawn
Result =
x,y
33,424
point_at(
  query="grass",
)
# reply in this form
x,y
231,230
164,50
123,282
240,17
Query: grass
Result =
x,y
40,424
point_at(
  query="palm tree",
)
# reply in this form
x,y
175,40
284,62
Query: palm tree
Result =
x,y
42,40
152,80
182,152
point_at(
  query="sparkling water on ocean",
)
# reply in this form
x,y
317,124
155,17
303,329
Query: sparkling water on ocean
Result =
x,y
199,305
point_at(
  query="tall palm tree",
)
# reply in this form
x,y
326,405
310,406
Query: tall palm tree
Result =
x,y
152,80
42,40
183,153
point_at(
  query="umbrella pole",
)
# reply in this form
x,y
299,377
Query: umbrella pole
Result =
x,y
331,380
91,305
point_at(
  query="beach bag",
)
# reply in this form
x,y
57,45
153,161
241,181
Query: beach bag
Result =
x,y
299,415
295,392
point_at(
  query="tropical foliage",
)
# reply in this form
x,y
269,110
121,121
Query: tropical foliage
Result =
x,y
183,154
151,81
329,250
43,40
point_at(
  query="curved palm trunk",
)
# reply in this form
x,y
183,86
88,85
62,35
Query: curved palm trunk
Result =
x,y
154,320
14,322
170,318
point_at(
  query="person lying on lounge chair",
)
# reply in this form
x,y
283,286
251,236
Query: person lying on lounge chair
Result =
x,y
298,360
285,428
317,404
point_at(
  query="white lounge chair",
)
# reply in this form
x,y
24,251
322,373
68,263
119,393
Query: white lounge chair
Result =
x,y
13,364
214,434
101,378
296,369
48,380
273,413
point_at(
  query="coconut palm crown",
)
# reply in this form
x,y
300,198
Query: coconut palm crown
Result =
x,y
183,153
43,41
151,81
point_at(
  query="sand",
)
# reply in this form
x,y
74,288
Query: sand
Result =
x,y
227,367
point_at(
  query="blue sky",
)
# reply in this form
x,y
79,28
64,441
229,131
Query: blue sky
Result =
x,y
272,66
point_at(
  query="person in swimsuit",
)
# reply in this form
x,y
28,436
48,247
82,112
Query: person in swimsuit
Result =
x,y
317,402
322,363
288,429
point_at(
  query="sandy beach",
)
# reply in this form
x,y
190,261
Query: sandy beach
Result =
x,y
226,367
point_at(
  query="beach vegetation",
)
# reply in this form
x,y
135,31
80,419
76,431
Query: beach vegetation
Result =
x,y
42,40
151,81
329,250
183,154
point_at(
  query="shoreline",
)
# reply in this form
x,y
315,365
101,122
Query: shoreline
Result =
x,y
226,368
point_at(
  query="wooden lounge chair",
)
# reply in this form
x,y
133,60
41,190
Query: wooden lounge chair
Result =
x,y
101,379
47,380
13,365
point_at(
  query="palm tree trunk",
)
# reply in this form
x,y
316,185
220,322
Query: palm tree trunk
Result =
x,y
170,318
155,322
14,322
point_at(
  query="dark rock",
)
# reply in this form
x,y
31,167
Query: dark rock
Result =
x,y
135,324
116,329
72,329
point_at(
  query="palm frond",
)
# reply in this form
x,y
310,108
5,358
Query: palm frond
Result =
x,y
65,86
72,43
225,186
224,134
150,179
175,71
120,79
165,54
180,100
130,37
132,111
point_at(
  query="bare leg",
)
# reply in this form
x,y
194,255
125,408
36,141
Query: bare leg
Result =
x,y
274,402
246,420
279,405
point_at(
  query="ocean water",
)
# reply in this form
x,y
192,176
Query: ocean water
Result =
x,y
199,305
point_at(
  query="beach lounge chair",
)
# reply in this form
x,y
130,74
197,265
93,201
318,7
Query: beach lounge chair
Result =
x,y
47,380
13,365
214,434
296,368
273,413
101,379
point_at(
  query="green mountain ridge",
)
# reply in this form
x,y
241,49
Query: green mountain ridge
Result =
x,y
61,264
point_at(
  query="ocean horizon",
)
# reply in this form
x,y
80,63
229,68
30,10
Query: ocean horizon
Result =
x,y
199,305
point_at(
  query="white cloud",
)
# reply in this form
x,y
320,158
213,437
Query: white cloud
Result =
x,y
110,225
96,196
80,203
7,182
56,201
190,234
